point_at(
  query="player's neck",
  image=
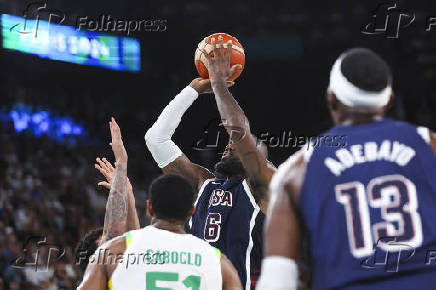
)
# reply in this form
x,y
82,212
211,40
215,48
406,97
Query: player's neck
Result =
x,y
236,176
359,118
177,227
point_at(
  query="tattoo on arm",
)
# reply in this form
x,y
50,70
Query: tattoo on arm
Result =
x,y
115,220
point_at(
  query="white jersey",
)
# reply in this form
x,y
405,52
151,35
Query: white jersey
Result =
x,y
160,259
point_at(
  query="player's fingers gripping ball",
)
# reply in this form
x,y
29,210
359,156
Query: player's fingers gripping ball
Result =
x,y
237,57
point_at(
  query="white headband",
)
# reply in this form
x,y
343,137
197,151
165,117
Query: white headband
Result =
x,y
353,96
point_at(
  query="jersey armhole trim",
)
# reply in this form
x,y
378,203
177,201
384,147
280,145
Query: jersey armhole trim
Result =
x,y
128,239
250,238
109,284
200,192
249,194
218,252
424,132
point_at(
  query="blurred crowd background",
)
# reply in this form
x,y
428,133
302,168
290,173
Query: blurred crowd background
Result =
x,y
48,188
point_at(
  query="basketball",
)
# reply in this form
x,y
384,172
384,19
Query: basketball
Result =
x,y
237,57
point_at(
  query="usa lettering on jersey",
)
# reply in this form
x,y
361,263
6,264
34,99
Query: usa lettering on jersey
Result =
x,y
220,197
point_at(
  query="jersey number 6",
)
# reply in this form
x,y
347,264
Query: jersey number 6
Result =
x,y
212,227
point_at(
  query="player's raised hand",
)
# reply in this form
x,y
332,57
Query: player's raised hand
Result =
x,y
203,86
117,143
219,64
107,170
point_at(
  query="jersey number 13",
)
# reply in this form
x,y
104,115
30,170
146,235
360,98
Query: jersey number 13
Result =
x,y
395,196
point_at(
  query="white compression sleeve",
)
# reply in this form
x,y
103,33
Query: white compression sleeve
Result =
x,y
158,137
278,273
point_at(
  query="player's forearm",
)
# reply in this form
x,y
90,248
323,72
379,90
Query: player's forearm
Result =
x,y
132,215
115,220
282,238
231,113
232,286
94,277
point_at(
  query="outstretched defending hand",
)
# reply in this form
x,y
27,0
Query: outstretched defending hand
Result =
x,y
219,64
203,86
117,143
107,170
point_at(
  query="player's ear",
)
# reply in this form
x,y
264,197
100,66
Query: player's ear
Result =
x,y
332,101
390,103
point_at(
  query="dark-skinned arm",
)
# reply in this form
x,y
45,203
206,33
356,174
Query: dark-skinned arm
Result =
x,y
258,168
194,173
99,270
94,277
282,229
230,275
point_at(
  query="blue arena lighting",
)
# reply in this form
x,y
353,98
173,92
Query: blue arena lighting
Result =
x,y
42,122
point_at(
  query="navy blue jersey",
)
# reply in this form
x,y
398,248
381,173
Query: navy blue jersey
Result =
x,y
369,208
228,217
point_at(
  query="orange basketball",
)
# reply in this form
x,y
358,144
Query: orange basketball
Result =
x,y
237,57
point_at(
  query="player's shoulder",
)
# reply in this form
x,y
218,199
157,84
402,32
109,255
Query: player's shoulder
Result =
x,y
207,183
122,241
401,124
113,242
114,246
291,172
298,158
424,132
198,243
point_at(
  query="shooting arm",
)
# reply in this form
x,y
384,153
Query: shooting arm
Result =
x,y
168,155
115,220
259,170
